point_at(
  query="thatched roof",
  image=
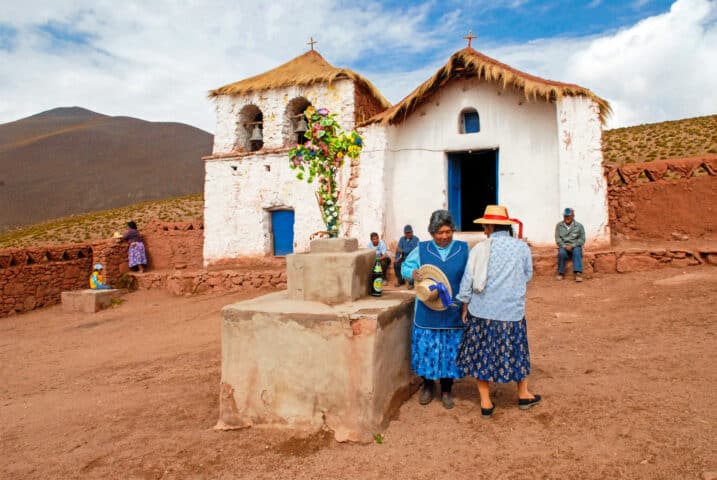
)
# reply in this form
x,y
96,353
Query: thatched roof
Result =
x,y
307,69
469,63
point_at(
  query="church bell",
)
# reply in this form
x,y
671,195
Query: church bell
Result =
x,y
301,126
256,135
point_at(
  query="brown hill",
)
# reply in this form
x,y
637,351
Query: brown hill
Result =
x,y
690,137
71,160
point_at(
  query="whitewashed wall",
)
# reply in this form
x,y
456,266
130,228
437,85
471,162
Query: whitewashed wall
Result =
x,y
240,192
370,196
582,183
337,97
525,133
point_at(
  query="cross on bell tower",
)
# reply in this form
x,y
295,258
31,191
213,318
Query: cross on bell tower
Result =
x,y
470,37
311,43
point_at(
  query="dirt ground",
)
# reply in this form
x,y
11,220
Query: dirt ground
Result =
x,y
626,365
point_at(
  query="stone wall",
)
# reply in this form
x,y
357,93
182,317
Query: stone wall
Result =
x,y
666,199
175,245
628,260
34,277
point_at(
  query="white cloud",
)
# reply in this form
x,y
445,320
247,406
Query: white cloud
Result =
x,y
157,60
661,68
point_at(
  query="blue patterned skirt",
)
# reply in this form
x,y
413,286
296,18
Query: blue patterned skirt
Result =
x,y
495,351
434,352
137,254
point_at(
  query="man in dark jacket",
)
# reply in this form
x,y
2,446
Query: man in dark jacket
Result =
x,y
406,244
570,237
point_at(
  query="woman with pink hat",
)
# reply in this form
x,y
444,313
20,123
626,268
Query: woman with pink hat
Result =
x,y
495,343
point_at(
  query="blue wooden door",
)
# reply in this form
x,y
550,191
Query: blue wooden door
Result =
x,y
282,224
454,189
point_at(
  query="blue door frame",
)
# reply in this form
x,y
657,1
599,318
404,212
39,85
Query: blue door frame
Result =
x,y
282,225
454,185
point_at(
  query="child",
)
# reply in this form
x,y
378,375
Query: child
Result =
x,y
96,280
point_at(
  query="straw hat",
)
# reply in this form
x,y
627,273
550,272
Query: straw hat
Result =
x,y
498,215
117,235
432,276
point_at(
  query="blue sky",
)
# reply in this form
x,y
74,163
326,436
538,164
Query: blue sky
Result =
x,y
654,60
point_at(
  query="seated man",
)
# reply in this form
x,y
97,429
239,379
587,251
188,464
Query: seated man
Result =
x,y
381,252
570,237
96,280
405,246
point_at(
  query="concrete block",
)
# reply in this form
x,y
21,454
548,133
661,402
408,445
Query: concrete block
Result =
x,y
329,277
324,245
88,300
308,365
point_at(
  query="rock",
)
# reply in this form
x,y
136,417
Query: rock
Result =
x,y
711,475
635,263
606,263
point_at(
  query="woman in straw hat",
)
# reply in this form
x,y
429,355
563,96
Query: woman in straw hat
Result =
x,y
495,344
436,267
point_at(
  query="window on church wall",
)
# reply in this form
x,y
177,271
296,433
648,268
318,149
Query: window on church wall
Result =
x,y
469,121
295,122
250,129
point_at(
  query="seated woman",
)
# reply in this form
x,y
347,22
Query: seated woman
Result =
x,y
97,282
136,253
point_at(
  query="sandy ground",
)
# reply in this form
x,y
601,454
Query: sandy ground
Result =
x,y
626,364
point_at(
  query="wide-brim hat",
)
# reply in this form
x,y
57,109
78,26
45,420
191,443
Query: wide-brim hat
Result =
x,y
117,235
498,215
427,289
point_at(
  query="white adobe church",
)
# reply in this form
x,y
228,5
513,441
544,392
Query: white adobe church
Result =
x,y
477,132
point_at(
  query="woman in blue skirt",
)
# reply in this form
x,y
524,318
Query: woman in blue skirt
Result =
x,y
495,344
437,325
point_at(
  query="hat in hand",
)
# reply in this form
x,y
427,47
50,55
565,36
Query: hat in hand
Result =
x,y
434,289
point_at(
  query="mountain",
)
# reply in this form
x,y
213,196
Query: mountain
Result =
x,y
689,137
71,160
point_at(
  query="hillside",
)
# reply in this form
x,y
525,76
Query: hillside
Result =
x,y
675,139
71,160
690,137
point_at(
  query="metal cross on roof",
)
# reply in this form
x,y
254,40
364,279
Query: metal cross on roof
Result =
x,y
311,42
470,37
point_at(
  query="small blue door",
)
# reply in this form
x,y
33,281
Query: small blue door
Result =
x,y
454,189
282,224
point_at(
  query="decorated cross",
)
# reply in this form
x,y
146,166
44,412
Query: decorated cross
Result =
x,y
321,157
311,42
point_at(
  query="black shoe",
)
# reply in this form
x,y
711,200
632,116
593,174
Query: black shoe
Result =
x,y
487,412
447,401
426,395
526,403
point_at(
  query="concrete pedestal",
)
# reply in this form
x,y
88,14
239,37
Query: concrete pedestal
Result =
x,y
335,271
309,365
88,300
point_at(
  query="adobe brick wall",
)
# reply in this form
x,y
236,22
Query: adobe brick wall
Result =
x,y
664,200
175,245
34,277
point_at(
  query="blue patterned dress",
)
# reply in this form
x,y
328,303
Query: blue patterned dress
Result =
x,y
436,336
495,344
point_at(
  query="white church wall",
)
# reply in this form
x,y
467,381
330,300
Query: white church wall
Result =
x,y
240,193
337,97
582,182
370,204
523,132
